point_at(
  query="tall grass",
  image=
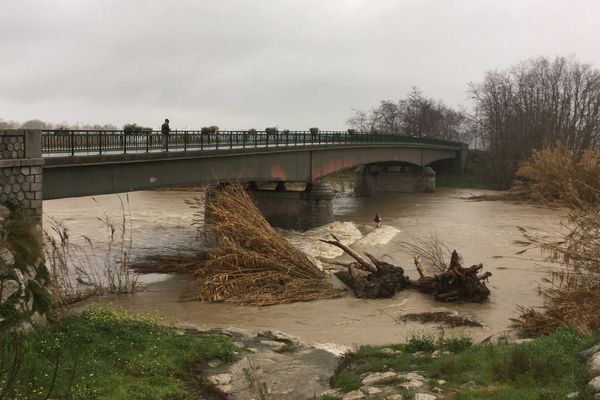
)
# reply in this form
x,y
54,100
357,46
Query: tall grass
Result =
x,y
572,294
81,270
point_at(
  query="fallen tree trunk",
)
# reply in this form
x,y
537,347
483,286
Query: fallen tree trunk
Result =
x,y
368,277
456,283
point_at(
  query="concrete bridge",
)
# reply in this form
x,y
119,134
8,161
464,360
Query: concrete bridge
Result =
x,y
82,163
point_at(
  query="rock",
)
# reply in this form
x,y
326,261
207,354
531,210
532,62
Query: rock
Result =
x,y
590,352
419,354
275,346
593,386
522,341
593,366
354,395
394,397
4,213
573,395
371,390
436,354
386,351
214,363
413,376
441,382
226,388
337,350
412,384
220,379
282,336
9,288
332,393
379,378
6,258
424,396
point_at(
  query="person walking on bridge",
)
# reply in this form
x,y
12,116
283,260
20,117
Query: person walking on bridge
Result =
x,y
165,133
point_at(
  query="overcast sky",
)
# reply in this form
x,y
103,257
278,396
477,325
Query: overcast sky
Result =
x,y
243,64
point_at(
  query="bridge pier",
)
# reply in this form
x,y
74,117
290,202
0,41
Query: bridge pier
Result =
x,y
298,210
375,178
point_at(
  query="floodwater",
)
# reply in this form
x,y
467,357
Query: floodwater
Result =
x,y
482,232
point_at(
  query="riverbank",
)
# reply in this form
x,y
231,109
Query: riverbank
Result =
x,y
105,354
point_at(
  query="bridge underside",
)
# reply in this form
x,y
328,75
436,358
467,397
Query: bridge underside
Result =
x,y
91,175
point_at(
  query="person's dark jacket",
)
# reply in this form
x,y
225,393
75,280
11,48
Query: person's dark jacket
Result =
x,y
165,128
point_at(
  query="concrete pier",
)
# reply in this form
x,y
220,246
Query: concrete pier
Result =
x,y
299,210
393,178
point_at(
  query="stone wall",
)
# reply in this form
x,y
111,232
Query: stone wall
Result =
x,y
21,170
24,297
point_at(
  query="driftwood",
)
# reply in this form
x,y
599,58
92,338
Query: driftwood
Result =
x,y
457,283
371,278
368,277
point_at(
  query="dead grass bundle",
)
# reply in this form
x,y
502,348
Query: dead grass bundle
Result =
x,y
572,294
431,249
253,264
576,305
557,174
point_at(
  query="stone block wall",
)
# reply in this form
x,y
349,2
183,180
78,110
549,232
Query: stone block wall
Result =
x,y
21,170
24,297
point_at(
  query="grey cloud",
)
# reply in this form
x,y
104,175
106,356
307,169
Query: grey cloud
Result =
x,y
242,63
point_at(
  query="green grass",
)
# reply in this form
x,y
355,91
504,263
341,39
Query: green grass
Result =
x,y
547,368
106,354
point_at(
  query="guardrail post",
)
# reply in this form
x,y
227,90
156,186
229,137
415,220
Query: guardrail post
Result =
x,y
72,142
124,138
230,140
185,140
267,139
100,143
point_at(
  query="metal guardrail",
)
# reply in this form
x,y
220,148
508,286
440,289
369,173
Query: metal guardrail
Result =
x,y
59,143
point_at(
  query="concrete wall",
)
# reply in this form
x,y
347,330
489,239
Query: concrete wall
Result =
x,y
21,169
393,178
294,209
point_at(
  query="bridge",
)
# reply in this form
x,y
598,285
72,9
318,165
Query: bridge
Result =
x,y
81,163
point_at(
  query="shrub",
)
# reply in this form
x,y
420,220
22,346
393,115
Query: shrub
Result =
x,y
134,129
314,131
209,129
272,131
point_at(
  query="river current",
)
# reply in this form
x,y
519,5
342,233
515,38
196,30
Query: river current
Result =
x,y
482,232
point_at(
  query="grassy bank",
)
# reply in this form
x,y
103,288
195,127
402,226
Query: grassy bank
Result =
x,y
547,368
105,354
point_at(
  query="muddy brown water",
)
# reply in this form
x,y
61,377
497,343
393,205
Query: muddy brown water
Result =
x,y
480,231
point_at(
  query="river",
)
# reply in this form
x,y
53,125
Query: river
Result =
x,y
482,232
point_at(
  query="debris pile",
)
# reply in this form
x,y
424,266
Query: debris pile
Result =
x,y
253,264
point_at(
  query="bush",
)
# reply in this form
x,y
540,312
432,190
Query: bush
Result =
x,y
134,129
209,129
314,131
272,131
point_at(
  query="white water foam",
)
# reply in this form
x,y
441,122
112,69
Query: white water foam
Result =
x,y
377,237
310,244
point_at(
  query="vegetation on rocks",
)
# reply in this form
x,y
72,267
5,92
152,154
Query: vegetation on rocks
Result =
x,y
104,354
547,368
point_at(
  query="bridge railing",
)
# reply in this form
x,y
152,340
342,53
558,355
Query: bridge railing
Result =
x,y
87,142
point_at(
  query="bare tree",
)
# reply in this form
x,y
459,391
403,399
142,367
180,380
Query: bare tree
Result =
x,y
415,115
535,104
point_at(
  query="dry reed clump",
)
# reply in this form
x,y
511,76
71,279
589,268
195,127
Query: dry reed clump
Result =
x,y
572,295
431,249
557,174
253,264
